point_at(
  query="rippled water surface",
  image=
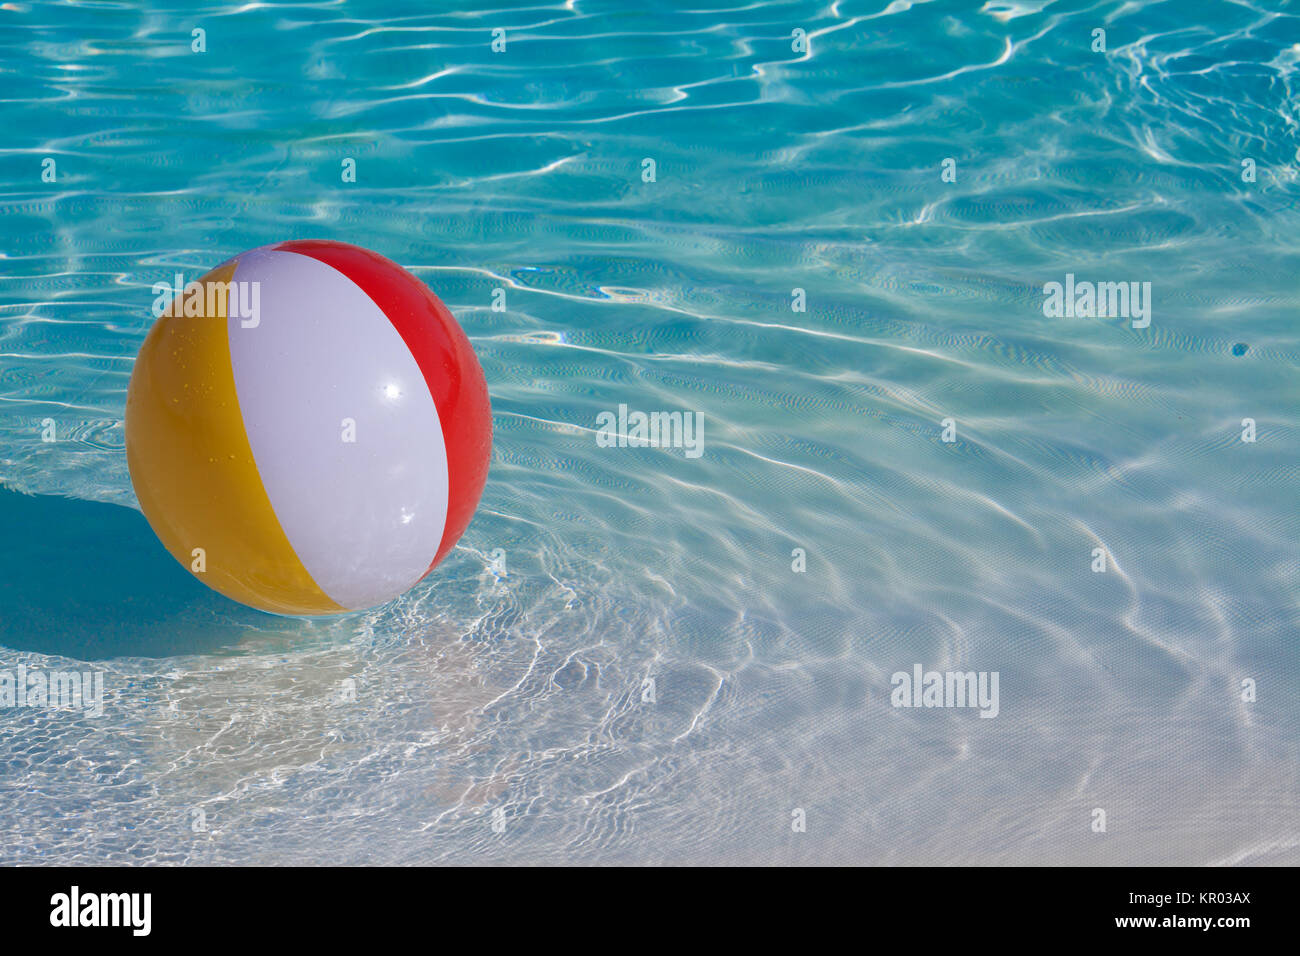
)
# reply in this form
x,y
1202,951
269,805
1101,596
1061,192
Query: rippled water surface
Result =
x,y
521,696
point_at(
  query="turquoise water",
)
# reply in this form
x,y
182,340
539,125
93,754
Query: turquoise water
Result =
x,y
517,694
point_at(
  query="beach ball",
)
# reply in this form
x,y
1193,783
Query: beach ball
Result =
x,y
308,428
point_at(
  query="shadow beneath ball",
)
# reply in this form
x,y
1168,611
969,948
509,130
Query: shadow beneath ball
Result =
x,y
90,581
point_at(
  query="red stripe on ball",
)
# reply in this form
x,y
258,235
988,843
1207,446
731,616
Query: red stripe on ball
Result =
x,y
445,357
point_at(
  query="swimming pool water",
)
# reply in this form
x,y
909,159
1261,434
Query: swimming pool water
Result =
x,y
620,662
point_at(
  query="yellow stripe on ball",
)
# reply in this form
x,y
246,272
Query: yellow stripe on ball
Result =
x,y
190,459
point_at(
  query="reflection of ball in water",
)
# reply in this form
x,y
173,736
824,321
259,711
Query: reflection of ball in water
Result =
x,y
308,429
